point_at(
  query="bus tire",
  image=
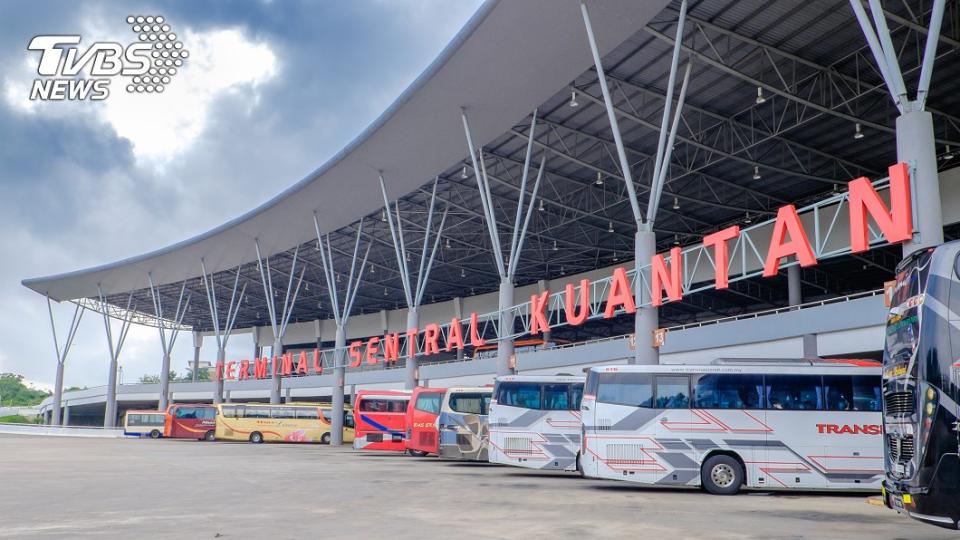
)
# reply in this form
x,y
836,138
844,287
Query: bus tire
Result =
x,y
325,438
154,434
580,467
256,437
209,435
721,474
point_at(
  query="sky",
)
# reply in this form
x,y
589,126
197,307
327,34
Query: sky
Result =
x,y
270,91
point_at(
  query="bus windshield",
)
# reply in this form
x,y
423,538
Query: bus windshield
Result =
x,y
903,326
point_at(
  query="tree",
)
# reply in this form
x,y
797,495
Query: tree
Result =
x,y
13,393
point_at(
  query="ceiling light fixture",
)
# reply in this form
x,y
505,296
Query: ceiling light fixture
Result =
x,y
676,203
463,273
609,226
463,173
676,239
756,172
541,208
555,245
573,99
857,131
948,155
760,98
599,180
747,219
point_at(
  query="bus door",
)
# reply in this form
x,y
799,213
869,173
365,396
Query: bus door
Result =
x,y
728,415
672,453
797,454
558,420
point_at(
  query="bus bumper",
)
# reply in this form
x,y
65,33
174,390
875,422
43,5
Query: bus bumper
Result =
x,y
936,504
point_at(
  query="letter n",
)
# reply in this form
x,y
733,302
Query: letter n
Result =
x,y
670,280
895,223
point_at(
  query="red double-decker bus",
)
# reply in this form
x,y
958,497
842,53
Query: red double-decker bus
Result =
x,y
190,421
422,411
381,418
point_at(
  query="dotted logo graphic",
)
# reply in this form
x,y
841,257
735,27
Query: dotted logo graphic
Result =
x,y
167,53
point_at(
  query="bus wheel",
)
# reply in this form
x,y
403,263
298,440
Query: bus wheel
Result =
x,y
580,467
154,434
208,436
419,453
256,437
325,438
721,475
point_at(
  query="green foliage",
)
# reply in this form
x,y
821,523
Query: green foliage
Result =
x,y
14,419
203,375
13,393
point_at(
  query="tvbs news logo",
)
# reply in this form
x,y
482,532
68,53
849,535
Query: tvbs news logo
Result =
x,y
147,65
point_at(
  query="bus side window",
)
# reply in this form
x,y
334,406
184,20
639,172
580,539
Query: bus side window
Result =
x,y
866,393
793,392
526,395
576,396
633,389
556,397
838,390
720,391
348,419
673,392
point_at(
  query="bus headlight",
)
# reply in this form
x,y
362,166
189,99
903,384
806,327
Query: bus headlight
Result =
x,y
931,394
929,409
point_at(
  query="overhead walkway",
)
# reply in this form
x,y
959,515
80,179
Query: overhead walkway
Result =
x,y
842,326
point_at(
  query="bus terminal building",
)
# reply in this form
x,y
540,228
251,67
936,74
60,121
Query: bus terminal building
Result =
x,y
570,185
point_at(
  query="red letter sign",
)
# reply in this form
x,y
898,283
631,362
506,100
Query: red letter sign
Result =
x,y
391,347
230,367
260,367
574,317
538,313
455,335
354,350
620,294
244,372
372,349
788,222
721,255
431,337
475,338
302,363
896,223
671,280
317,366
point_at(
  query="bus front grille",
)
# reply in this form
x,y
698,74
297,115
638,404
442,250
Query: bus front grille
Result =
x,y
428,438
898,403
901,448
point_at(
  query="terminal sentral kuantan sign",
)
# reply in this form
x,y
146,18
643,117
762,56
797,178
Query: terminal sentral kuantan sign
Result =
x,y
788,239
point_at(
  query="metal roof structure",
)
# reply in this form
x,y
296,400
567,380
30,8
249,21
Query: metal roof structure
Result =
x,y
784,105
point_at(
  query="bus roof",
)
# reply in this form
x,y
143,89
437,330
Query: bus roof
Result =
x,y
542,378
384,394
458,389
776,369
144,411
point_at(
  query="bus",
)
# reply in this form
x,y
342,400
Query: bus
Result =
x,y
381,417
138,423
463,424
190,421
423,436
920,387
348,423
776,424
259,422
535,421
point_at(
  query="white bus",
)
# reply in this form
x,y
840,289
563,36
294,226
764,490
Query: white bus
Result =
x,y
735,424
463,424
535,421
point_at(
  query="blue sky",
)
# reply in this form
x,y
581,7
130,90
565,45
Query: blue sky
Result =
x,y
271,91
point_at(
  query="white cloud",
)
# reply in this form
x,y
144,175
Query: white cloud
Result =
x,y
162,126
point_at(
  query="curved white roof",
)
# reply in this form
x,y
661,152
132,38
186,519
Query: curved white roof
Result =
x,y
510,57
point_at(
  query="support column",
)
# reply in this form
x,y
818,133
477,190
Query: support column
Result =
x,y
458,313
339,374
288,397
353,394
410,378
66,413
164,382
197,342
505,345
57,394
795,298
275,383
793,285
110,409
647,318
916,147
218,375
